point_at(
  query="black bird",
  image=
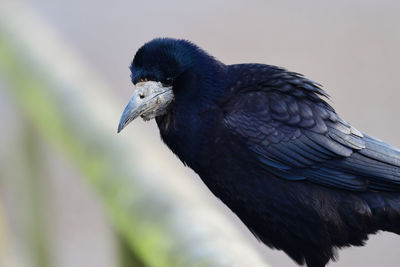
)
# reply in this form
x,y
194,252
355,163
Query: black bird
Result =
x,y
265,141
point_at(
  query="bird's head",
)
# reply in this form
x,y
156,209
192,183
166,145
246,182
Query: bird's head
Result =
x,y
162,69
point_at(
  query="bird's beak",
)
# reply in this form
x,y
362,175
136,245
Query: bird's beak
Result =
x,y
149,99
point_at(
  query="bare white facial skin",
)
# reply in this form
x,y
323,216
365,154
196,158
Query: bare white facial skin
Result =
x,y
159,99
149,100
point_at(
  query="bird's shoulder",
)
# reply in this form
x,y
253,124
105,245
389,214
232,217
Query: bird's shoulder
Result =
x,y
286,101
264,77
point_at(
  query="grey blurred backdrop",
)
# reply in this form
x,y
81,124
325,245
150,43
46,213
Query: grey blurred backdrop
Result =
x,y
350,47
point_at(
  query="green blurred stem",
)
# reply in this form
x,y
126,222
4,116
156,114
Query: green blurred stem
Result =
x,y
35,185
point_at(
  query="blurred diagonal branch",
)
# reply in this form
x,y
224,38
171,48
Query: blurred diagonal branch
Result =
x,y
7,255
164,220
34,184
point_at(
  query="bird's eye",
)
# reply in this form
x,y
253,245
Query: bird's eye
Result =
x,y
141,96
143,79
168,81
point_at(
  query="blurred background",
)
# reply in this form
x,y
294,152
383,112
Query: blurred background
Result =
x,y
62,60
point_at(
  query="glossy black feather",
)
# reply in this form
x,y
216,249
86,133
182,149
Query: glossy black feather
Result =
x,y
300,126
266,142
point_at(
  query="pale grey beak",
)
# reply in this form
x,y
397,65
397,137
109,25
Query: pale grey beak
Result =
x,y
149,100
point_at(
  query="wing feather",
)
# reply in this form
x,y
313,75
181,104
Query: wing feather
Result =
x,y
294,134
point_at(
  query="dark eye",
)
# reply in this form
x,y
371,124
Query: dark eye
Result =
x,y
168,81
